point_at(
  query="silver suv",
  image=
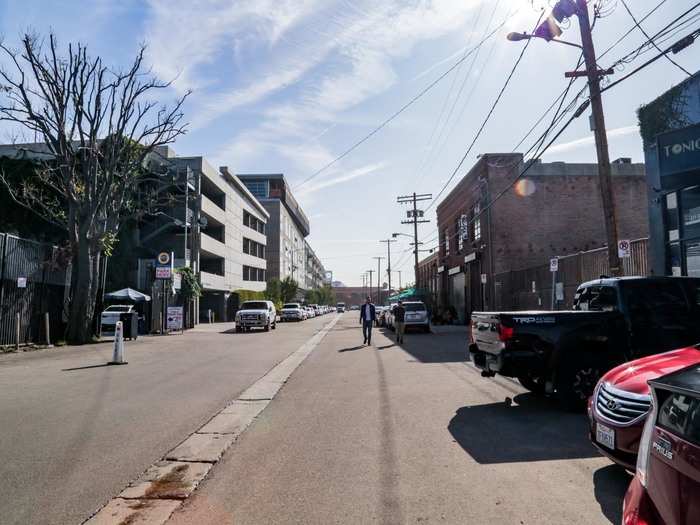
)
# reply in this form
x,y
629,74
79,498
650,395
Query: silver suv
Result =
x,y
256,314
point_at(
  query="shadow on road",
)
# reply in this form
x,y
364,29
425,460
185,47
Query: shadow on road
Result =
x,y
86,367
531,429
351,348
610,486
431,348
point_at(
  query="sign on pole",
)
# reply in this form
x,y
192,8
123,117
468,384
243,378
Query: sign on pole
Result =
x,y
164,265
177,281
483,278
21,282
174,317
554,265
624,248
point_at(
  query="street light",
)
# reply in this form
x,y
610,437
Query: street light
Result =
x,y
517,37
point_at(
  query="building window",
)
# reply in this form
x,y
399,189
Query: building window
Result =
x,y
459,232
690,202
253,274
446,242
477,223
253,222
253,248
259,188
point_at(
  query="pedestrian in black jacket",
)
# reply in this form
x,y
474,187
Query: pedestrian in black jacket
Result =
x,y
368,315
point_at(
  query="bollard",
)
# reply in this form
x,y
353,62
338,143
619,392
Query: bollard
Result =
x,y
47,325
118,353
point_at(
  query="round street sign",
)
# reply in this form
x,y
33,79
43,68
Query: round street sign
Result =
x,y
164,258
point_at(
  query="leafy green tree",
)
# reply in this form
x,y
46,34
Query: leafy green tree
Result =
x,y
288,289
273,290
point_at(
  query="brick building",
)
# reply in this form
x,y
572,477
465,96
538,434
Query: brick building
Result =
x,y
427,278
554,210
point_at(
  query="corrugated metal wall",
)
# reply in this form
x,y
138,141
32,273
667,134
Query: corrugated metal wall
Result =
x,y
531,288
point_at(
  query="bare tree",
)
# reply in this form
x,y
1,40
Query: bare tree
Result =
x,y
96,129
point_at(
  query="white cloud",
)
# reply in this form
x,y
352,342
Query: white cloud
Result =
x,y
354,174
586,141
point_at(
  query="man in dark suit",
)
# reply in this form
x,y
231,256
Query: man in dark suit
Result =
x,y
368,316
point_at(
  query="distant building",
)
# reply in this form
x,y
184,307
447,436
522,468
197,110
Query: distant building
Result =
x,y
427,278
554,210
670,127
288,252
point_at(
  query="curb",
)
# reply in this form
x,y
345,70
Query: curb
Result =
x,y
160,490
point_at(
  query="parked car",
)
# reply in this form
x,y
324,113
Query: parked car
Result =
x,y
613,321
256,314
416,316
620,403
354,307
310,312
112,314
292,312
666,487
389,316
378,313
340,308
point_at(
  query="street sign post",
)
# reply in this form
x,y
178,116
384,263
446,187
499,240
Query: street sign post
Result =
x,y
624,248
554,268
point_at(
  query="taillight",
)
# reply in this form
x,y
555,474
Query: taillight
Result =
x,y
505,333
645,442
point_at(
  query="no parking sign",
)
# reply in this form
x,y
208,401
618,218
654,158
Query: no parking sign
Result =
x,y
624,249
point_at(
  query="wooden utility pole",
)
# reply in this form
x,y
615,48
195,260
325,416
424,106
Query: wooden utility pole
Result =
x,y
601,139
388,258
415,216
379,279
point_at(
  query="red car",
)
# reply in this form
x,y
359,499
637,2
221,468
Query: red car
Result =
x,y
619,405
666,487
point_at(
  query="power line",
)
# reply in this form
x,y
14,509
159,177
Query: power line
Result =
x,y
638,25
404,107
488,116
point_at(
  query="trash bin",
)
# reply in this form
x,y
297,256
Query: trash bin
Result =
x,y
130,323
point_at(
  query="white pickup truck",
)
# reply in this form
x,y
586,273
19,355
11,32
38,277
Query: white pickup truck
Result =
x,y
110,316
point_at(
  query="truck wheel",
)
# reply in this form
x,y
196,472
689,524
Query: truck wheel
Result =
x,y
267,327
274,325
239,329
533,384
576,383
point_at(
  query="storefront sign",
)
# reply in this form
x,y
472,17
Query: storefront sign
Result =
x,y
441,269
679,157
471,257
454,270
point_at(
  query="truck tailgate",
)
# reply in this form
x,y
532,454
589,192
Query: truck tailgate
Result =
x,y
485,332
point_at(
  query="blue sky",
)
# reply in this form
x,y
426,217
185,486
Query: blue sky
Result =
x,y
287,85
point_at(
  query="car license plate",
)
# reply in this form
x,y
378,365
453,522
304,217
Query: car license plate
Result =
x,y
605,436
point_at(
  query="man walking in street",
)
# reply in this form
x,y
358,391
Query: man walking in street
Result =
x,y
367,317
400,321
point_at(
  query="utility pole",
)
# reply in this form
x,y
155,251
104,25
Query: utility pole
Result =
x,y
388,258
601,139
415,216
370,284
379,279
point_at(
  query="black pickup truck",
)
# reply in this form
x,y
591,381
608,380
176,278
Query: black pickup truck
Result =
x,y
613,320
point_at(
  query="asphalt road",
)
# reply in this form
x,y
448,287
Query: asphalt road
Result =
x,y
73,432
407,434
